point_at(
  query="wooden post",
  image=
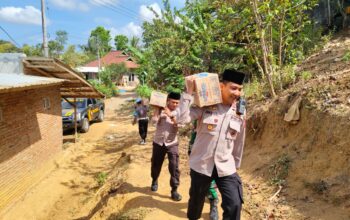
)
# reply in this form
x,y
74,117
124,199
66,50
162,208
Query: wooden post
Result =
x,y
75,122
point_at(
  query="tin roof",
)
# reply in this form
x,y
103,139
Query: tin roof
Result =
x,y
15,82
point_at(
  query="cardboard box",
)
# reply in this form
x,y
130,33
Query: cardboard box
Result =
x,y
158,99
207,89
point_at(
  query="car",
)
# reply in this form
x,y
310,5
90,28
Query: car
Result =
x,y
88,110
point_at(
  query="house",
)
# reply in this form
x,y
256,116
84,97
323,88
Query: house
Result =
x,y
91,69
30,119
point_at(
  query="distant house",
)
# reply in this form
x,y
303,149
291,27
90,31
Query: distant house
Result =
x,y
91,69
30,119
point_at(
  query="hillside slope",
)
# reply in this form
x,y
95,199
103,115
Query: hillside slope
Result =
x,y
309,158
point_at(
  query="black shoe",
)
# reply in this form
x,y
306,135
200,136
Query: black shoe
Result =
x,y
175,196
154,186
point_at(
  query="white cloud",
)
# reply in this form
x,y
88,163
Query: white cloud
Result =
x,y
129,30
26,15
147,14
70,5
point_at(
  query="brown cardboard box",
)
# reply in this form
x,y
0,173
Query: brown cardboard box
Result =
x,y
158,99
207,89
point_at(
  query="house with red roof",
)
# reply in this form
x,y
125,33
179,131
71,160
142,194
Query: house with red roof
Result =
x,y
91,69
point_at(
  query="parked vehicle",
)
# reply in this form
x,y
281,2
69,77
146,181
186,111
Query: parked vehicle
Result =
x,y
88,110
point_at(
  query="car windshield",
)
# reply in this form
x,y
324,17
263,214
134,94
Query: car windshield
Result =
x,y
80,104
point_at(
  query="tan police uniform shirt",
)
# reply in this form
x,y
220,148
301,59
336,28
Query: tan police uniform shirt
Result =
x,y
166,130
220,137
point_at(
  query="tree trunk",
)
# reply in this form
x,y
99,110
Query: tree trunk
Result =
x,y
267,65
280,48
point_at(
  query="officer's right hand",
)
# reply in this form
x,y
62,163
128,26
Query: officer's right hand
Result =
x,y
190,85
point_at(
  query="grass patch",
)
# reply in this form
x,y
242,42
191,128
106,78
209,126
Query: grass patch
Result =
x,y
318,187
279,170
132,214
346,56
101,178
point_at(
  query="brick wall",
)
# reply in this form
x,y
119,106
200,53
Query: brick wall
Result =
x,y
30,137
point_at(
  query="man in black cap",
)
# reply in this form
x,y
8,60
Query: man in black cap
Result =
x,y
165,142
218,148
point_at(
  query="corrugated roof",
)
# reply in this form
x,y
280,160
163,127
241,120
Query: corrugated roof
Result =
x,y
115,57
15,82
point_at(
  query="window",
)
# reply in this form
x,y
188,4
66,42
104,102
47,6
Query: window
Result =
x,y
47,104
1,115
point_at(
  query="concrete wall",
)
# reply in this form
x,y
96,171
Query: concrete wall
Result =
x,y
30,137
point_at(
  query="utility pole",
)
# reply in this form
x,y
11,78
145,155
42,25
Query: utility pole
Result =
x,y
97,41
43,19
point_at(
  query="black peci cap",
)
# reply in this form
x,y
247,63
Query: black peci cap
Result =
x,y
232,75
174,95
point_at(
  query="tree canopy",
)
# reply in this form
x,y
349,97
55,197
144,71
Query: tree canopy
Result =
x,y
121,42
257,37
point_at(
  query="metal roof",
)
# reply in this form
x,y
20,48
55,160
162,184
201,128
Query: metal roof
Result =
x,y
14,82
74,85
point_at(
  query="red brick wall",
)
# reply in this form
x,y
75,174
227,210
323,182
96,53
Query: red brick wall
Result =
x,y
30,137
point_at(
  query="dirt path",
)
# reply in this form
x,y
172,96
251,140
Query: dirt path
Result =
x,y
64,193
71,190
111,150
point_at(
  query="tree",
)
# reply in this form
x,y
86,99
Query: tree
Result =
x,y
56,47
134,42
121,42
61,38
257,37
73,58
113,73
99,41
8,47
33,50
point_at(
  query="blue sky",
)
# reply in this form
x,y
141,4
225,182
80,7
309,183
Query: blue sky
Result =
x,y
22,18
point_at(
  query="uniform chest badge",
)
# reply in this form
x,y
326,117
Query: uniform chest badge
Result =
x,y
210,127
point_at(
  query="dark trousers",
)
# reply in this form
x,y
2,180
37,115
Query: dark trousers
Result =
x,y
143,126
230,188
158,154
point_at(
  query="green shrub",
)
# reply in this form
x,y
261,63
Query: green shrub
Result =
x,y
144,91
108,90
254,89
346,56
101,178
288,76
279,170
306,75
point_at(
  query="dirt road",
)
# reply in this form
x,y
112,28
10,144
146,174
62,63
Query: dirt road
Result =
x,y
71,191
106,175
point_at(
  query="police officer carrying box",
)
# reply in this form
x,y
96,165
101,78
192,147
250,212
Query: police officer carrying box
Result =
x,y
218,148
165,142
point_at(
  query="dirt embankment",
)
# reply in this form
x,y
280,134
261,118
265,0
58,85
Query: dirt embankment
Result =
x,y
309,159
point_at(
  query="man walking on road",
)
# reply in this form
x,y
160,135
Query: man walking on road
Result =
x,y
217,151
165,142
140,115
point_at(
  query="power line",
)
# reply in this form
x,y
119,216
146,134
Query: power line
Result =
x,y
11,38
121,9
117,10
